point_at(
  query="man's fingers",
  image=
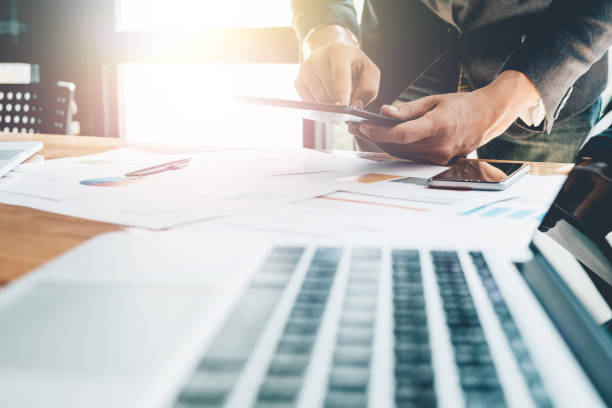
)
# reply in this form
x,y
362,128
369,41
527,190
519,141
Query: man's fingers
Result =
x,y
340,80
410,110
367,83
353,129
405,133
315,86
303,91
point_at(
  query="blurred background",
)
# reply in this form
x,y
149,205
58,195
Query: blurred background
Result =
x,y
161,71
155,70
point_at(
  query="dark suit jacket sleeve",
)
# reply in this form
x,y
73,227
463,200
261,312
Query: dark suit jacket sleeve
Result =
x,y
308,14
573,35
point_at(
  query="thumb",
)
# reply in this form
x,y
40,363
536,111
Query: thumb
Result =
x,y
410,110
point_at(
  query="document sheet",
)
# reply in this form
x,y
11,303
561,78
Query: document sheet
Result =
x,y
288,193
211,185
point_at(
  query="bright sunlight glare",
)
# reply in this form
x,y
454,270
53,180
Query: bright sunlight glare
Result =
x,y
192,104
189,15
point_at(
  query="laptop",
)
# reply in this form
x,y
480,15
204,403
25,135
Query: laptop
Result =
x,y
12,154
176,320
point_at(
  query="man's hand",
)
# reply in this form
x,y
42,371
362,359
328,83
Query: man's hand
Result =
x,y
441,127
335,70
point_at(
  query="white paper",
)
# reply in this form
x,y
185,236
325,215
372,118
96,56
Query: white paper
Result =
x,y
272,191
212,185
390,211
351,217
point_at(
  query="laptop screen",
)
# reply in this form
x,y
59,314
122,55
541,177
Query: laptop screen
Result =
x,y
580,218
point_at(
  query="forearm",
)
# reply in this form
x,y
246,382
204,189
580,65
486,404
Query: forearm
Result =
x,y
510,95
572,37
309,14
323,35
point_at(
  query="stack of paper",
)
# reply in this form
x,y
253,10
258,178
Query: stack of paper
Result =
x,y
282,193
389,211
214,184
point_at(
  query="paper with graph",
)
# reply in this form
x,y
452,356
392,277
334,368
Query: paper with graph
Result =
x,y
258,185
212,185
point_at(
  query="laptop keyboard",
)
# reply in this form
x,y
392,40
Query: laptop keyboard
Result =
x,y
220,368
350,369
285,374
517,345
414,376
349,374
477,373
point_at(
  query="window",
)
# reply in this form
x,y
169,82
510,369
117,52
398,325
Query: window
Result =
x,y
193,15
191,102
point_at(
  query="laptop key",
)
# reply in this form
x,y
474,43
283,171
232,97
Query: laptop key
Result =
x,y
286,369
472,358
416,354
419,373
415,396
344,399
288,364
308,311
220,368
352,356
301,329
206,387
349,379
280,388
484,400
479,376
294,344
355,335
313,296
315,284
288,250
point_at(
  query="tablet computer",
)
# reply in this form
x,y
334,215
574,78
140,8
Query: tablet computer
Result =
x,y
325,112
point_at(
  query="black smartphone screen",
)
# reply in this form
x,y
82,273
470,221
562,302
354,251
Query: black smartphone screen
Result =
x,y
479,172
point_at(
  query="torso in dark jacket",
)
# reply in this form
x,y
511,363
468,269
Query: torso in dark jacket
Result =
x,y
559,44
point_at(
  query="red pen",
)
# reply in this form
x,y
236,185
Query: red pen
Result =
x,y
174,165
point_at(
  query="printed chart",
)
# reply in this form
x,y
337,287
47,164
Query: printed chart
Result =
x,y
517,208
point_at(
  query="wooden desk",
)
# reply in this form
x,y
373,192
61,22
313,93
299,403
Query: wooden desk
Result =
x,y
29,238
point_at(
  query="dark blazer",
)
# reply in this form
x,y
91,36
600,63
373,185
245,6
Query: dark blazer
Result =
x,y
561,45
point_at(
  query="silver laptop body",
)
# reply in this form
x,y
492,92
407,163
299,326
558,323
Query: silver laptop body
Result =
x,y
175,320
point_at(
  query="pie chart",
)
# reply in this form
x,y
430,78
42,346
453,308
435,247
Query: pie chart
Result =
x,y
108,181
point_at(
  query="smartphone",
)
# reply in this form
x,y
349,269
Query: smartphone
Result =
x,y
479,175
324,112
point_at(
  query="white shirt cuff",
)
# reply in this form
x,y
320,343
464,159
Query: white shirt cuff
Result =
x,y
534,115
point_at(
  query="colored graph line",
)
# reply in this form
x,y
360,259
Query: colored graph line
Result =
x,y
109,181
520,214
496,212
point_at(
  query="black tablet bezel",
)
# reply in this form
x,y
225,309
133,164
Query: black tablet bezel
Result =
x,y
359,115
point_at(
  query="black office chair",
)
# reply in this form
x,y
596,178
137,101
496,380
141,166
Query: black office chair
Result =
x,y
36,108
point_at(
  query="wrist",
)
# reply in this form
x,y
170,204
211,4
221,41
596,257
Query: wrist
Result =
x,y
509,96
516,90
322,35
